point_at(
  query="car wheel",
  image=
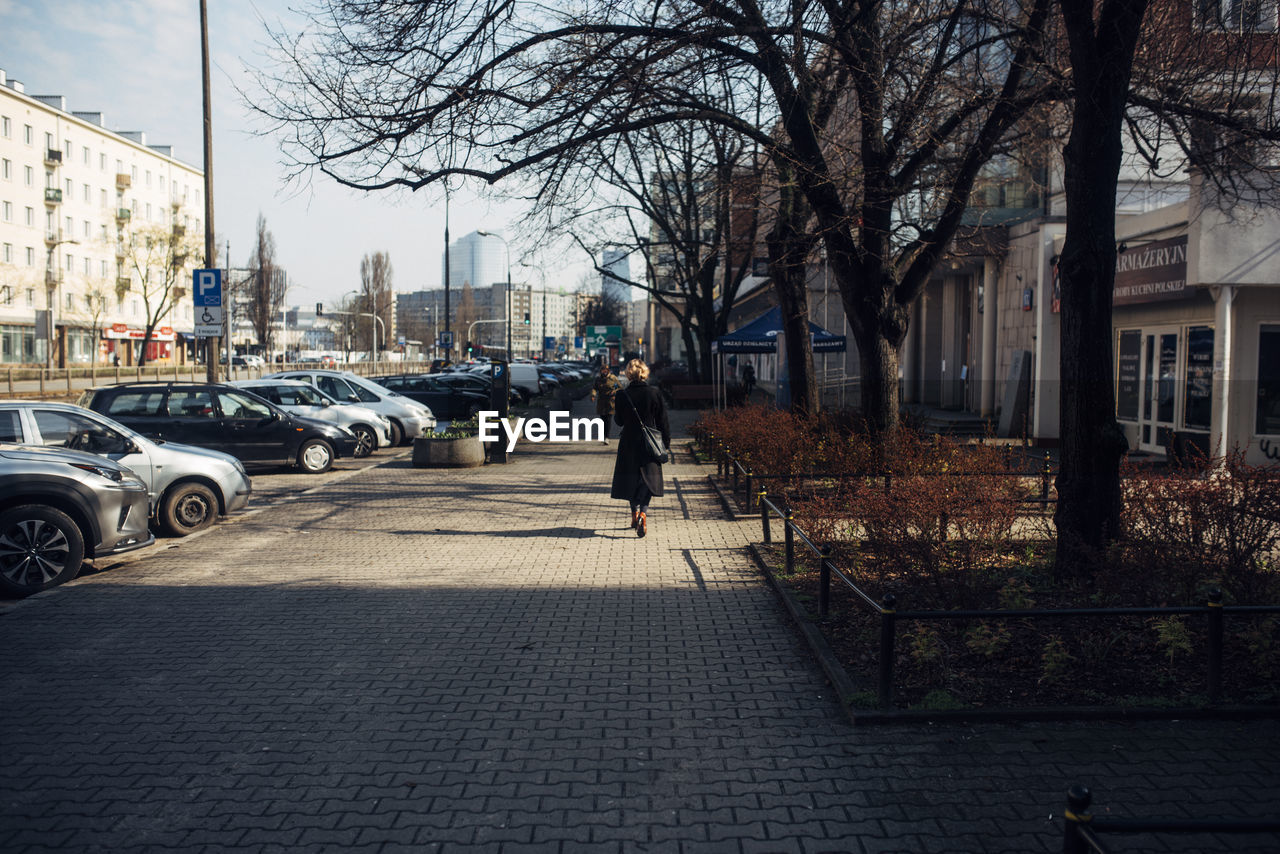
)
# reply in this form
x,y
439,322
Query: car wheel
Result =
x,y
39,547
397,433
366,440
187,508
315,456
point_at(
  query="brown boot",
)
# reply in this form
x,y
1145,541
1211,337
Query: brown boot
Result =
x,y
642,526
635,518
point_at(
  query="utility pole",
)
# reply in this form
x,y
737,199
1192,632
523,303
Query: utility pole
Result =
x,y
449,349
210,249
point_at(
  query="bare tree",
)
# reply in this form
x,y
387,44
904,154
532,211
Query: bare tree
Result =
x,y
883,113
267,287
375,300
158,261
1178,93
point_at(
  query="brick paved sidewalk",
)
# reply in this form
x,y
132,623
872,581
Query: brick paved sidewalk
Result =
x,y
490,660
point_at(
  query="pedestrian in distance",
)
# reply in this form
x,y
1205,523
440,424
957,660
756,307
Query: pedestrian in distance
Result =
x,y
602,392
636,478
749,378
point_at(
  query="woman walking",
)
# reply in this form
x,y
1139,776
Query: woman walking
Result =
x,y
635,478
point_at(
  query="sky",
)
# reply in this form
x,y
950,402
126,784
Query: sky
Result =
x,y
138,63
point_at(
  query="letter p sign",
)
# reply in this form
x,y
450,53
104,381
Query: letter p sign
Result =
x,y
207,287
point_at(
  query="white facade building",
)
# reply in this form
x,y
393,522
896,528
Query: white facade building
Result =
x,y
73,196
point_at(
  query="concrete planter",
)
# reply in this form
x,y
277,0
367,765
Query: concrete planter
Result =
x,y
466,452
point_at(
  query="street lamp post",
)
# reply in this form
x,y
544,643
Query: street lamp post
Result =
x,y
51,280
507,247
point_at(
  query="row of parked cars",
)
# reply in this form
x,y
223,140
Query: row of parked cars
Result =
x,y
91,480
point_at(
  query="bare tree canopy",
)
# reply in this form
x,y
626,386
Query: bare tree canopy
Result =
x,y
375,300
157,261
267,287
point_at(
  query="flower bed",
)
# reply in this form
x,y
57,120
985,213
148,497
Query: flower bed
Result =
x,y
946,531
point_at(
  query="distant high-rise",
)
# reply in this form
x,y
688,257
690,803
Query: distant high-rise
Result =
x,y
617,262
479,259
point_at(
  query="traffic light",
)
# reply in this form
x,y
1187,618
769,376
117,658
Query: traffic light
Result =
x,y
319,309
526,318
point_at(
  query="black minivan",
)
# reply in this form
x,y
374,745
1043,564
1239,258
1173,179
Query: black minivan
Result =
x,y
212,415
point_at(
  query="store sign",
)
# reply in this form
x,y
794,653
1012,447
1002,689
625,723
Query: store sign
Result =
x,y
1152,272
1128,383
123,332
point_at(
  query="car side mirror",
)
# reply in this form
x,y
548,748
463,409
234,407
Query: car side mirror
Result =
x,y
272,416
353,398
326,402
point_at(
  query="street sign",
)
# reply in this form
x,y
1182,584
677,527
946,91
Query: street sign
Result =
x,y
208,321
206,287
445,339
549,342
579,343
602,336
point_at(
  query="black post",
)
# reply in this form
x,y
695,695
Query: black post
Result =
x,y
746,490
1044,479
888,617
733,465
764,516
500,399
789,538
1215,645
1077,814
824,582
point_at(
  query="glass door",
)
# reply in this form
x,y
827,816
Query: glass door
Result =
x,y
1160,350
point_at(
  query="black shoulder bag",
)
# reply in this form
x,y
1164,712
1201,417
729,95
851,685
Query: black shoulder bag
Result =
x,y
652,436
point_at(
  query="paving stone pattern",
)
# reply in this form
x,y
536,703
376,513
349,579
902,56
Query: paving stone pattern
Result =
x,y
489,660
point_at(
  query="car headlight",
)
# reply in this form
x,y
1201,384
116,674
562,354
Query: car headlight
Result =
x,y
124,479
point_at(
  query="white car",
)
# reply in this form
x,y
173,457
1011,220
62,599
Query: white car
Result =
x,y
372,429
409,419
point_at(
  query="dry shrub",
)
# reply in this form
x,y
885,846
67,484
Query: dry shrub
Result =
x,y
1189,528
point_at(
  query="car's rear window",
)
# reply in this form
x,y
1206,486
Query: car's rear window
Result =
x,y
10,428
137,403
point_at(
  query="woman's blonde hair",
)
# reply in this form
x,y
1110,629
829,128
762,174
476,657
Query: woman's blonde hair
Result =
x,y
636,370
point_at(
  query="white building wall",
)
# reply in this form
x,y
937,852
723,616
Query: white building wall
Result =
x,y
63,179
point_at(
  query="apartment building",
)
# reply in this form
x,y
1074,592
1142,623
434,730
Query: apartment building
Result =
x,y
99,232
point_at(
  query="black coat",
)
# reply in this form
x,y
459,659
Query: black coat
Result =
x,y
631,466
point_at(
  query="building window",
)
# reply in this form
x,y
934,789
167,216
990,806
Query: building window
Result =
x,y
87,228
31,296
148,177
71,302
70,262
7,170
88,267
85,150
30,216
8,211
102,270
28,134
31,257
133,307
6,127
71,189
102,197
148,211
133,172
102,161
48,141
86,194
8,253
28,176
1268,416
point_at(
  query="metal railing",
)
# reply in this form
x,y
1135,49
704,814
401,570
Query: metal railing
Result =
x,y
890,615
742,478
1081,829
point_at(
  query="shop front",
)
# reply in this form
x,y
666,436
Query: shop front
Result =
x,y
124,344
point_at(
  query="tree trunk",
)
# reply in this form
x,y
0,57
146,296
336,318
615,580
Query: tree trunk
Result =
x,y
878,359
1088,512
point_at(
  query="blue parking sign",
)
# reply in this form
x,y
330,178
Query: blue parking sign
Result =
x,y
206,287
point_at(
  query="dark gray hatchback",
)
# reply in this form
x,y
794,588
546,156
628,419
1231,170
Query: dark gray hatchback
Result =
x,y
212,415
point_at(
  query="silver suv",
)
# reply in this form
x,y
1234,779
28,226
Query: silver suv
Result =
x,y
58,507
189,487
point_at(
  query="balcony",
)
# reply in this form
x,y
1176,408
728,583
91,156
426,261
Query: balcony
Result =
x,y
123,214
52,238
51,278
53,157
52,196
123,284
123,181
179,229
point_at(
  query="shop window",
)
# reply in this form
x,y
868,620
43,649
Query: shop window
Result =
x,y
1268,417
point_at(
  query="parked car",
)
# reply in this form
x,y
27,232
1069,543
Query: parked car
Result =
x,y
446,401
217,416
409,419
524,378
188,487
58,507
372,429
481,383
